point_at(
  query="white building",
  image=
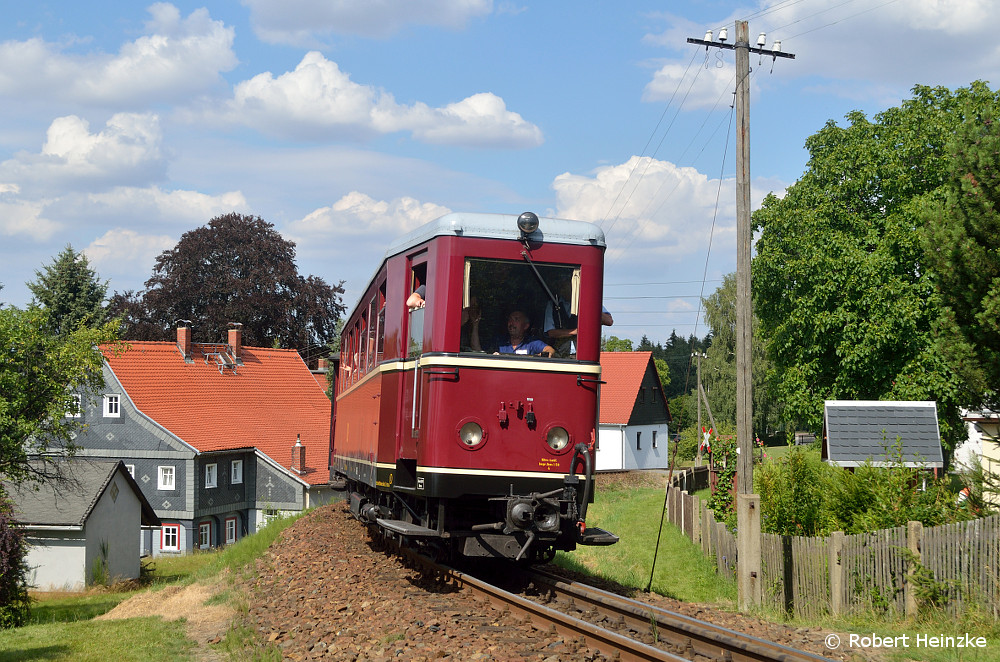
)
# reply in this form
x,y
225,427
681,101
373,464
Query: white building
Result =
x,y
634,419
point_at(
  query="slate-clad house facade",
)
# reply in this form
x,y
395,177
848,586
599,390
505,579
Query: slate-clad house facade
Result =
x,y
210,434
859,431
634,416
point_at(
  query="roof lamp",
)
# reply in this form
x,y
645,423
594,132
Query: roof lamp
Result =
x,y
527,223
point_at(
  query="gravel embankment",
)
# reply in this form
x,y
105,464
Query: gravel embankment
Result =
x,y
322,592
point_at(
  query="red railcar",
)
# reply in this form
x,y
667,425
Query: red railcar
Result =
x,y
443,441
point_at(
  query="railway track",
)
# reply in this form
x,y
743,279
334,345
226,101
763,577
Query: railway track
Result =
x,y
618,627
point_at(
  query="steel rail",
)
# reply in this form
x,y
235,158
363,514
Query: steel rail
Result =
x,y
683,632
607,642
680,638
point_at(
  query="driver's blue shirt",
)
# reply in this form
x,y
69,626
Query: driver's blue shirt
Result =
x,y
527,346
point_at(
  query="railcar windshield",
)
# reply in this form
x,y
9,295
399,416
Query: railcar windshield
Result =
x,y
546,297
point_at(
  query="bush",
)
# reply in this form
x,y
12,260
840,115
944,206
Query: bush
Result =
x,y
687,447
792,493
802,496
14,601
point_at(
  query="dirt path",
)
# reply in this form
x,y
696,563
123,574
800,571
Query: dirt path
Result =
x,y
205,624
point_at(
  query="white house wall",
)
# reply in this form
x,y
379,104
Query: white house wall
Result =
x,y
646,456
116,517
57,560
610,445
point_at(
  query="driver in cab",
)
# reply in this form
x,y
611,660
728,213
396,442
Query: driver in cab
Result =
x,y
518,342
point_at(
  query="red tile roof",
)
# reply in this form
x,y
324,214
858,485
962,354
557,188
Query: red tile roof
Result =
x,y
269,400
623,372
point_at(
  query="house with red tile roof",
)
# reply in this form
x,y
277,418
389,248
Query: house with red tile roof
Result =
x,y
219,437
634,417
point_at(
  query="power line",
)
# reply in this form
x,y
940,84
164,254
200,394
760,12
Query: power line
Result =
x,y
667,282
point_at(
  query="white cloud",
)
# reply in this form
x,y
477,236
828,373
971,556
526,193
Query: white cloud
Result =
x,y
177,58
481,120
126,151
301,22
674,81
872,53
153,205
19,217
645,203
357,216
318,99
121,250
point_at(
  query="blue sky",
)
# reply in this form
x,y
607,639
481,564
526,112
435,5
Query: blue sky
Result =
x,y
348,122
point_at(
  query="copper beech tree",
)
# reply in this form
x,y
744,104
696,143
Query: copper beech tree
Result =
x,y
235,269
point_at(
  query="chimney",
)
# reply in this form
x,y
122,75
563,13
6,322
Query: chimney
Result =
x,y
184,339
322,365
236,339
298,456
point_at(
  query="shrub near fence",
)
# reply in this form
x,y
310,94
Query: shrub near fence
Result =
x,y
893,571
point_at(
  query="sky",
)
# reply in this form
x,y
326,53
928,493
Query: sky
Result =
x,y
346,123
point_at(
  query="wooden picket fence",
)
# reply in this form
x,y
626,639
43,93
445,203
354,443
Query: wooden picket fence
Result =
x,y
841,574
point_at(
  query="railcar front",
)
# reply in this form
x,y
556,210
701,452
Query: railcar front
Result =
x,y
482,446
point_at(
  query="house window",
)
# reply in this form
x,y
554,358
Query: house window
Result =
x,y
230,530
205,535
236,472
76,406
654,438
211,475
166,478
642,395
638,441
131,469
112,405
170,538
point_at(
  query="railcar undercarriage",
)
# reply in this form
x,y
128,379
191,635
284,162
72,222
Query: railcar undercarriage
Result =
x,y
527,527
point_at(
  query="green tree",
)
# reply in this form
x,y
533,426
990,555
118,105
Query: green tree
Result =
x,y
962,242
616,344
846,304
235,269
718,369
39,373
70,291
663,370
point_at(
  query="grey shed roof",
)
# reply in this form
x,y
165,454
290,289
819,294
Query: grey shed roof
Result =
x,y
856,431
68,502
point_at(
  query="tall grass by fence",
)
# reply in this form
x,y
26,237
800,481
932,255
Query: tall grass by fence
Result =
x,y
889,571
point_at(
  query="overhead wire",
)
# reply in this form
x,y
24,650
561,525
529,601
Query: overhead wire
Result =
x,y
665,133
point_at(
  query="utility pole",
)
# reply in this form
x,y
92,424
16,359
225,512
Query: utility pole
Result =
x,y
747,504
697,357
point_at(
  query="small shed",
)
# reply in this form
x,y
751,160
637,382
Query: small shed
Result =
x,y
859,431
84,522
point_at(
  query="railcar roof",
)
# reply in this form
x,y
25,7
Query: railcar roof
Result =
x,y
499,226
492,226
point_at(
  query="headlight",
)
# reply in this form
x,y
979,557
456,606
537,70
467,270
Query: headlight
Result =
x,y
471,434
527,222
557,438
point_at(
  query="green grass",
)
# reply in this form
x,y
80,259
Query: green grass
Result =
x,y
633,513
130,639
61,625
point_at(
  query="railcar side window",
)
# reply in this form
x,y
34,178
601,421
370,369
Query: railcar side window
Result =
x,y
495,288
416,342
380,340
418,286
372,333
